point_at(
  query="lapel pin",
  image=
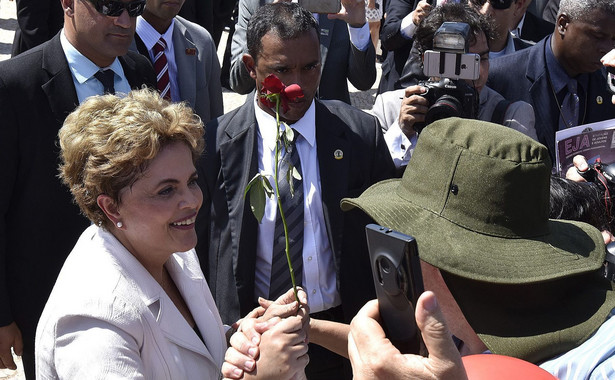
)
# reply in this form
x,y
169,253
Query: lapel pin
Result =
x,y
599,99
338,154
191,51
324,32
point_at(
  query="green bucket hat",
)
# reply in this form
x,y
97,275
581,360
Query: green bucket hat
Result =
x,y
475,195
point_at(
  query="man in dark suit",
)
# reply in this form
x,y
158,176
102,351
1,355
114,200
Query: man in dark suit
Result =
x,y
402,18
528,26
39,224
193,68
342,152
543,74
37,22
344,57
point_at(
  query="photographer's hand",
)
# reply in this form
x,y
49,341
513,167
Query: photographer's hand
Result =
x,y
580,166
374,357
413,109
353,12
609,60
423,8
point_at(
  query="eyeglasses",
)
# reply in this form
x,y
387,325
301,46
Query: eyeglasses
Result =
x,y
500,4
115,8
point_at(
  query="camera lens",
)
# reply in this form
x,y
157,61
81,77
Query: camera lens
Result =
x,y
445,106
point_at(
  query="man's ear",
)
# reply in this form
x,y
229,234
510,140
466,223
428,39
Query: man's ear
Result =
x,y
520,7
109,207
67,5
250,64
563,20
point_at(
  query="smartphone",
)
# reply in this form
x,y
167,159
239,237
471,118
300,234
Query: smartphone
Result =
x,y
398,280
451,65
321,6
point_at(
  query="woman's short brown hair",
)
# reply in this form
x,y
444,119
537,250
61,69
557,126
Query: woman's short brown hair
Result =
x,y
108,142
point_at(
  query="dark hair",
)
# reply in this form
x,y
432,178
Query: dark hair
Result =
x,y
452,12
287,20
582,201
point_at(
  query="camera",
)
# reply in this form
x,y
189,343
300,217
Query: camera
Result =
x,y
448,65
608,269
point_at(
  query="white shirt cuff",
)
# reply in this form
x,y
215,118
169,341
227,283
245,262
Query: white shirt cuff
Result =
x,y
407,27
360,37
400,146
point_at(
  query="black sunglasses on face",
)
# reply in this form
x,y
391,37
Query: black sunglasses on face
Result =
x,y
500,4
114,8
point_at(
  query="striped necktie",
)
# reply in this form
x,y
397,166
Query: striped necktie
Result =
x,y
162,69
292,205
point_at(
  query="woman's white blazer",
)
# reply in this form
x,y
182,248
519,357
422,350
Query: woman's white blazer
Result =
x,y
107,318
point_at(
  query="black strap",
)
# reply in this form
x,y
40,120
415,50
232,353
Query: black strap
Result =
x,y
499,111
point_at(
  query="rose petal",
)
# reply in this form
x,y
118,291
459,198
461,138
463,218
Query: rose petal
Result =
x,y
273,84
293,92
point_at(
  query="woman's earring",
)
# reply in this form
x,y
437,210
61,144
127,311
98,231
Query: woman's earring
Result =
x,y
119,224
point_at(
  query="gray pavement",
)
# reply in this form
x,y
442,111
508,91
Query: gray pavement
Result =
x,y
8,23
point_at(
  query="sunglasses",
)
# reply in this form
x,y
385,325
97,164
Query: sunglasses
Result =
x,y
500,4
114,8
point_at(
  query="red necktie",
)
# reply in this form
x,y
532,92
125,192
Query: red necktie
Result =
x,y
162,69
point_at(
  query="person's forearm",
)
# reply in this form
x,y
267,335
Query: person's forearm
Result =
x,y
331,335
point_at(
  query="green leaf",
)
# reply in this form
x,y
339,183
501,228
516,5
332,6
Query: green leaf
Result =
x,y
258,188
295,173
257,200
267,187
290,134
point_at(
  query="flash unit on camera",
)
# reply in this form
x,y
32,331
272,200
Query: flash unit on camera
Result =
x,y
452,37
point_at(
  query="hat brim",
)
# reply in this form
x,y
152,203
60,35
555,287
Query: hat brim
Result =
x,y
570,248
534,322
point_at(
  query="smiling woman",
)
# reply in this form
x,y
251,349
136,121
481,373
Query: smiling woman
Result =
x,y
131,300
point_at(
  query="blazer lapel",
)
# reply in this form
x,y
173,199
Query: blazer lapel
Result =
x,y
138,46
239,163
541,94
60,80
326,30
334,163
191,284
186,63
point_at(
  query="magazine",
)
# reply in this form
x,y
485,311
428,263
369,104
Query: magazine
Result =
x,y
596,140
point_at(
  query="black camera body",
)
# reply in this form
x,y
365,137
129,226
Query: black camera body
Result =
x,y
448,98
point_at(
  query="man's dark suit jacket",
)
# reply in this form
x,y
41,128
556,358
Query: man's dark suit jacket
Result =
x,y
341,60
38,21
535,28
39,224
397,46
524,76
227,229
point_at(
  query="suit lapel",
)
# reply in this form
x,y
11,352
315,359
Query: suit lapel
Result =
x,y
193,288
186,63
60,80
139,46
331,143
239,163
326,30
541,94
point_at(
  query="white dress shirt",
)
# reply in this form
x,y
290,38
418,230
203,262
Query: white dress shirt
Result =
x,y
150,36
83,70
319,277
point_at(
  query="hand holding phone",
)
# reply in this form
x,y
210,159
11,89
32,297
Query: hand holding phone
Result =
x,y
398,281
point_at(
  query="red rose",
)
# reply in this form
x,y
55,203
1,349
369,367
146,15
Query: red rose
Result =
x,y
293,92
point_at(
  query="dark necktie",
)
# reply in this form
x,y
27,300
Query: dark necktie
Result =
x,y
106,78
292,205
161,66
570,106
